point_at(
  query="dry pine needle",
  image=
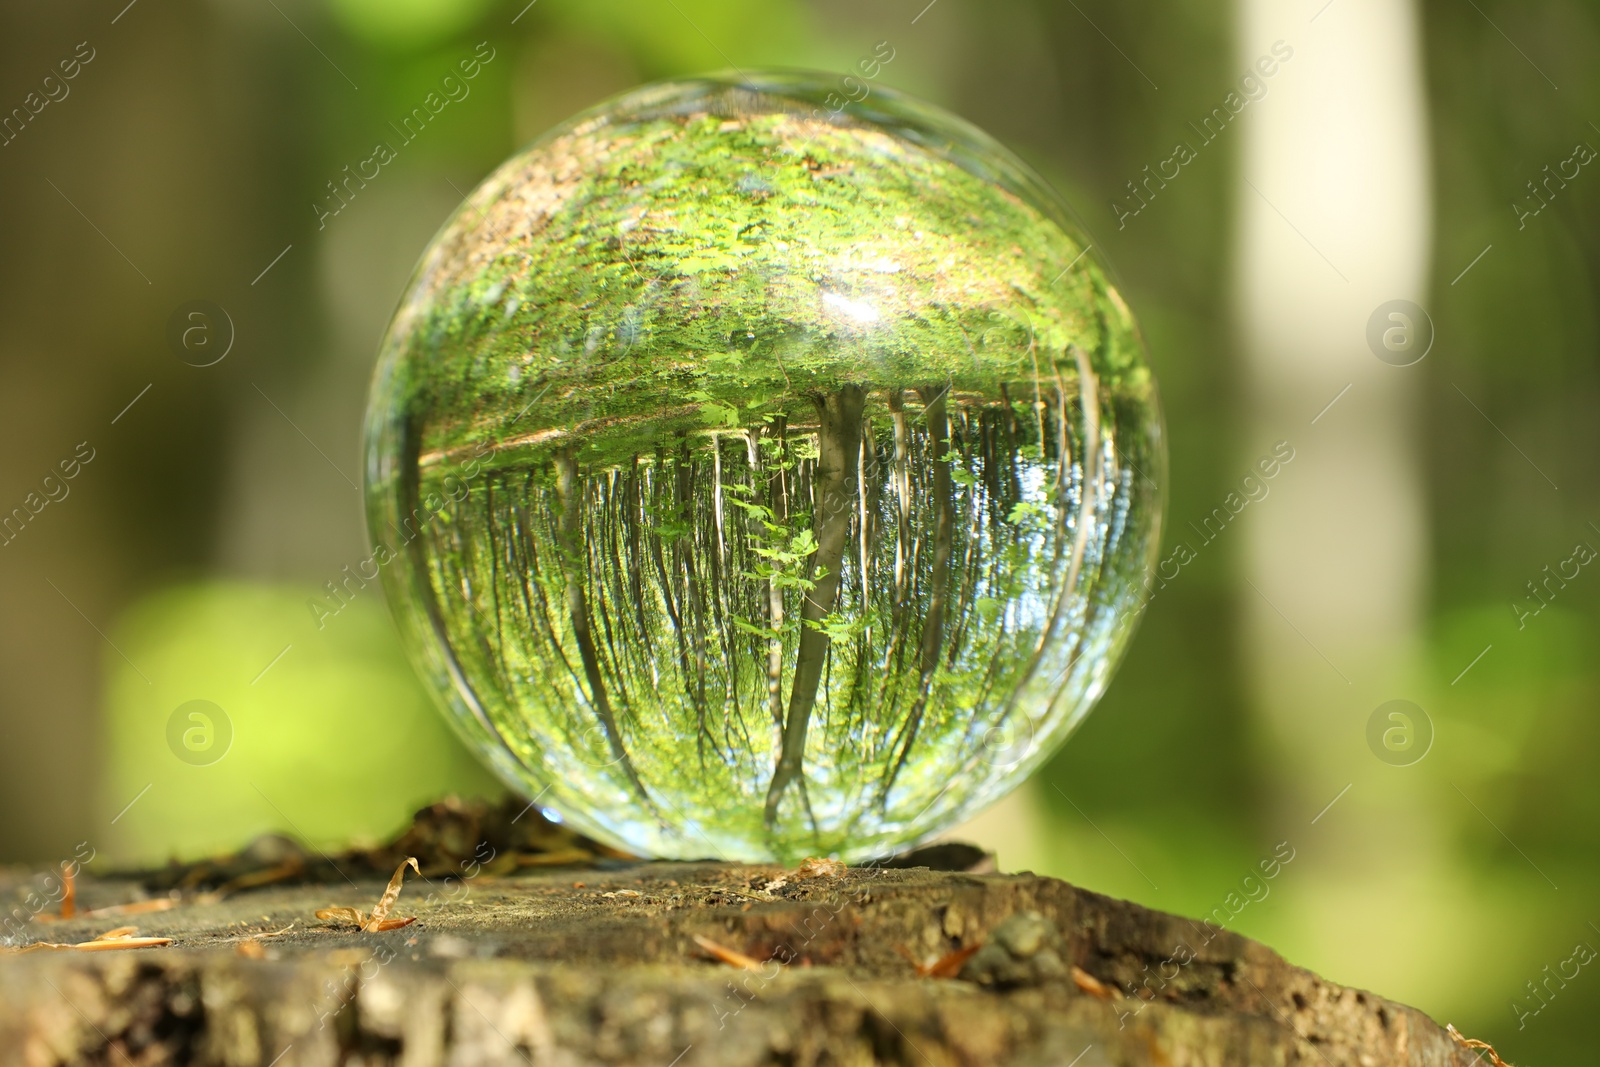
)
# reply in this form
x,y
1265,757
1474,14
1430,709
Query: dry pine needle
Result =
x,y
728,955
1474,1043
379,920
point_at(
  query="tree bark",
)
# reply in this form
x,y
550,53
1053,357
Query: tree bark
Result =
x,y
601,966
838,440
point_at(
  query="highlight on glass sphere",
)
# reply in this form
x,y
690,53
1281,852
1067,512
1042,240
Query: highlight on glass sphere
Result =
x,y
755,479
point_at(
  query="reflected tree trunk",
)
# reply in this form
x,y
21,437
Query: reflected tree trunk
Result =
x,y
683,550
939,578
1085,525
777,501
416,549
833,488
569,537
903,541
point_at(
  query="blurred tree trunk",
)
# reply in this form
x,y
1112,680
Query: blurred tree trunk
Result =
x,y
109,219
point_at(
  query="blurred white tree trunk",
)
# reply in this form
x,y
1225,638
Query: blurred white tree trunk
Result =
x,y
1334,220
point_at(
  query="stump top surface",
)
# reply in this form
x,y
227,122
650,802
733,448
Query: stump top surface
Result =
x,y
619,964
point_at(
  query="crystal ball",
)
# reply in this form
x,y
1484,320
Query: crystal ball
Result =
x,y
758,474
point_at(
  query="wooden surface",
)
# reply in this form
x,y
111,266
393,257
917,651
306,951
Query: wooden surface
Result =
x,y
599,965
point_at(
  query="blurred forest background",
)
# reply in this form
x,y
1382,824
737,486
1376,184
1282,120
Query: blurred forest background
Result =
x,y
179,517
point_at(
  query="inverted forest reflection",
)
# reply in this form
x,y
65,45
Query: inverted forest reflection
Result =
x,y
817,628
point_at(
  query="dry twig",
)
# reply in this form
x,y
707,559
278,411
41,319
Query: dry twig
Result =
x,y
69,903
137,907
69,893
251,947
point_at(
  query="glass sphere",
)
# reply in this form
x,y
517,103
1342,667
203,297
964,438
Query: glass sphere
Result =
x,y
755,476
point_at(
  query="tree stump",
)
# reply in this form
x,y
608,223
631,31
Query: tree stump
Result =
x,y
619,964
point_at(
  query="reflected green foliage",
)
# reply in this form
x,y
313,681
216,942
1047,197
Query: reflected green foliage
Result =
x,y
777,476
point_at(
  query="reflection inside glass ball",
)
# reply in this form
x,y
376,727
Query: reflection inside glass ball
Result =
x,y
759,481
